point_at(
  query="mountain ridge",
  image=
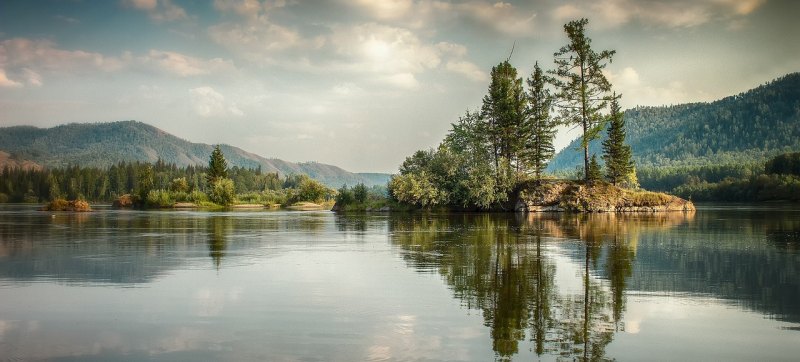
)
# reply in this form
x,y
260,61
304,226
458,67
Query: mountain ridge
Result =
x,y
747,127
103,144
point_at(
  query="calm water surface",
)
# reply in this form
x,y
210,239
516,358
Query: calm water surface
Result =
x,y
719,284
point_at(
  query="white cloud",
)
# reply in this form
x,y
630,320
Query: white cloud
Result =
x,y
8,83
635,92
502,16
673,13
468,69
158,10
142,4
43,54
33,78
29,59
402,80
383,49
346,89
386,9
209,103
184,65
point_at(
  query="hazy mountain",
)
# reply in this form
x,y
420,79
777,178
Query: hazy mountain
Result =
x,y
104,144
747,127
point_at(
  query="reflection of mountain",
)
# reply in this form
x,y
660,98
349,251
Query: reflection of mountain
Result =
x,y
747,258
496,264
98,247
132,246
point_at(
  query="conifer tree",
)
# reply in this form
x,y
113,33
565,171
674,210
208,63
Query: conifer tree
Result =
x,y
582,88
539,148
217,167
616,153
502,114
594,173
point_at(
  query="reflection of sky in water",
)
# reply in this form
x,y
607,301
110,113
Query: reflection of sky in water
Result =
x,y
314,286
682,327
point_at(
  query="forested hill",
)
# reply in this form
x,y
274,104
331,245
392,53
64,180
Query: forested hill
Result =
x,y
104,144
743,129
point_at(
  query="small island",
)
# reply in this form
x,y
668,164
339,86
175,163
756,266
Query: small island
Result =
x,y
67,205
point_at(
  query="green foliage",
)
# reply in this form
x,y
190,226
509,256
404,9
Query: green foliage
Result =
x,y
581,86
594,172
160,199
503,115
538,149
197,197
784,164
360,193
344,196
217,167
306,189
755,188
417,189
222,192
617,154
179,185
145,182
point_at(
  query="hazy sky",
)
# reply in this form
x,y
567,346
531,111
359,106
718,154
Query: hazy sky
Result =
x,y
357,83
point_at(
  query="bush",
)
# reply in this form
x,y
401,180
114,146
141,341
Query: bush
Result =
x,y
222,192
197,197
360,193
344,196
159,198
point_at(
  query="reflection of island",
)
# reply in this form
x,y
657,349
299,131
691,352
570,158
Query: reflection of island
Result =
x,y
496,263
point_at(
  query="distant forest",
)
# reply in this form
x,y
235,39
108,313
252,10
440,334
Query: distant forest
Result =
x,y
184,183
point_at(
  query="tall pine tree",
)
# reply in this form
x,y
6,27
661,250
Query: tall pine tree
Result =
x,y
503,114
582,88
539,148
616,153
217,167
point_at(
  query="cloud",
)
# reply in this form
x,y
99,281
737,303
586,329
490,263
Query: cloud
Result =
x,y
382,49
386,9
628,83
501,16
209,103
8,83
468,69
43,54
401,80
28,59
673,14
158,10
184,65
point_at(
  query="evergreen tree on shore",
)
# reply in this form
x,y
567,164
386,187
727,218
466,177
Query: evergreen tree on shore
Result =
x,y
616,153
582,88
539,148
217,167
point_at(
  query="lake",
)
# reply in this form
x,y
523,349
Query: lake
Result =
x,y
722,283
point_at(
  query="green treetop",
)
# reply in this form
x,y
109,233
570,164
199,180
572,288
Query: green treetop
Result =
x,y
217,167
503,114
539,145
616,153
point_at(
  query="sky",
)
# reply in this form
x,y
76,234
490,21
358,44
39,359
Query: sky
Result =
x,y
360,84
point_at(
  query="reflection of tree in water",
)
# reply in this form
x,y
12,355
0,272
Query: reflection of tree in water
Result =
x,y
218,229
497,264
